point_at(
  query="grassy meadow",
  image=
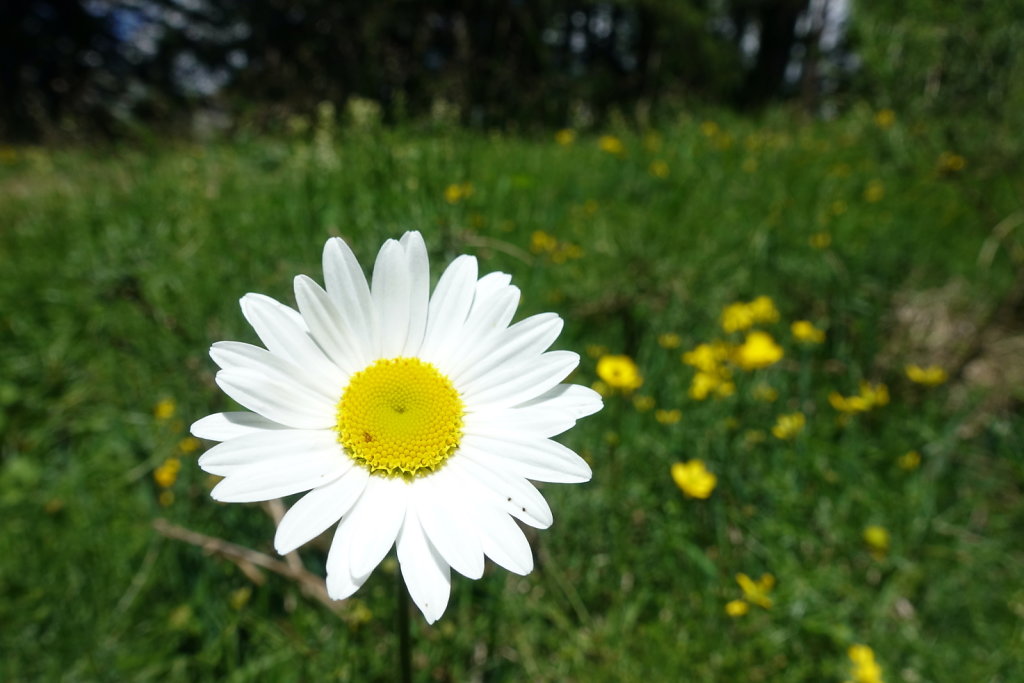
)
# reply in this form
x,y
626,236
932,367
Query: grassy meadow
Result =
x,y
899,242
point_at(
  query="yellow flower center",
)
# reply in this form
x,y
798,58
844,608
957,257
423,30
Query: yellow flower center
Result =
x,y
400,416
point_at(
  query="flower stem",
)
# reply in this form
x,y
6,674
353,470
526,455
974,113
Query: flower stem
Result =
x,y
404,637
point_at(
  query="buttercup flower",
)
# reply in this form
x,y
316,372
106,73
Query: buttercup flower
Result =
x,y
756,592
910,460
693,478
805,331
877,540
865,668
619,372
565,137
930,376
759,350
611,145
789,425
415,419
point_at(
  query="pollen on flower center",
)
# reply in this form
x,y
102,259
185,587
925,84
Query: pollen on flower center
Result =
x,y
400,416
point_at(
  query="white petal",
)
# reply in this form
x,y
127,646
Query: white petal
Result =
x,y
449,307
538,421
390,292
426,574
231,355
376,519
319,509
269,480
580,401
224,426
443,518
519,344
340,582
419,290
507,491
537,459
500,538
347,287
285,335
281,445
285,402
514,384
344,344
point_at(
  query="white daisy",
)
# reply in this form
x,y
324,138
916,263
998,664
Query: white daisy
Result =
x,y
413,419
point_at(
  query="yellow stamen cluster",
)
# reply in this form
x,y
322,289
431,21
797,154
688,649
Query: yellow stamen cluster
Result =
x,y
400,416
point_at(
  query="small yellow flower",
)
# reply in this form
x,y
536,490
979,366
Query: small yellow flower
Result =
x,y
871,396
668,417
885,118
756,592
709,128
877,540
704,384
659,169
759,350
737,317
164,409
619,372
820,240
669,340
930,376
611,145
565,137
789,425
951,163
805,331
763,309
693,479
910,460
865,668
736,608
189,444
240,597
643,403
707,357
167,473
874,192
542,242
876,394
166,498
764,392
456,192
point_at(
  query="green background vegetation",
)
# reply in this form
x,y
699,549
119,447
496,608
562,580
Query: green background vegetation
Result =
x,y
122,265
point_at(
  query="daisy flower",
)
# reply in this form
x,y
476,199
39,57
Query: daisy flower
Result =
x,y
416,419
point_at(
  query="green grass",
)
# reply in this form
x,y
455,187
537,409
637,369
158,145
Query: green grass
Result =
x,y
123,265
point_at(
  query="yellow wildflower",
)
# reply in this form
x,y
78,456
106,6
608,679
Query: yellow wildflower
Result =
x,y
871,396
167,473
565,137
611,145
707,357
669,340
643,403
166,498
930,376
756,592
189,444
789,425
876,394
759,350
164,409
659,169
737,317
874,191
709,129
910,460
951,163
704,383
456,192
736,608
820,240
763,309
877,540
804,330
619,372
668,417
542,242
884,118
693,479
865,668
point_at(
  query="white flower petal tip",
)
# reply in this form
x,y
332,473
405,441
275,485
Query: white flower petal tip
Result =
x,y
409,418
